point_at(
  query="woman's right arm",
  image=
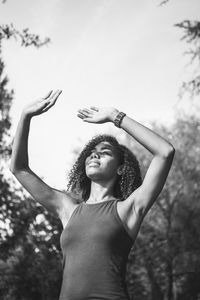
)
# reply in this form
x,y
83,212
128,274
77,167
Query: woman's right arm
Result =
x,y
54,200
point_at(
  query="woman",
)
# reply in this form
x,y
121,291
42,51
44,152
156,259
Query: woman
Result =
x,y
106,200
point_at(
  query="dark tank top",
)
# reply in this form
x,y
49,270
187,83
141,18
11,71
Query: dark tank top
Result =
x,y
95,246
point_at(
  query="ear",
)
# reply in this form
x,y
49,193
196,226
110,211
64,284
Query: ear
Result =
x,y
120,170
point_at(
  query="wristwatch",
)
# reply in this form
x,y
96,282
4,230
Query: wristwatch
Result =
x,y
119,119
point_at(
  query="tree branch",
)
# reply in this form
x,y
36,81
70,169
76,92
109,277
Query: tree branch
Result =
x,y
26,38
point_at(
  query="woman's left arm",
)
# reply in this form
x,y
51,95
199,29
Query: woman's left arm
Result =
x,y
155,177
163,153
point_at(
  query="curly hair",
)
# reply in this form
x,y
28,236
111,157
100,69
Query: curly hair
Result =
x,y
126,183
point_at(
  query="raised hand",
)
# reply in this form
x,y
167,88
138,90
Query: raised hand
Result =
x,y
40,106
97,115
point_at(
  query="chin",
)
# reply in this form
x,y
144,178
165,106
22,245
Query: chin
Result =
x,y
92,175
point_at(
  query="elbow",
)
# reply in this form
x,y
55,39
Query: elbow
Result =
x,y
170,152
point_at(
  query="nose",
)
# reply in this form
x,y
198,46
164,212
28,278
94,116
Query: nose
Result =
x,y
94,155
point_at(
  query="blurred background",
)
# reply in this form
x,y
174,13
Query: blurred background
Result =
x,y
141,57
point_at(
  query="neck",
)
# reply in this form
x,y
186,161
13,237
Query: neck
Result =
x,y
101,192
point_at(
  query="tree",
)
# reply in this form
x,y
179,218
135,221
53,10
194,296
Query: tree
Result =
x,y
191,35
165,259
29,248
26,39
5,104
6,97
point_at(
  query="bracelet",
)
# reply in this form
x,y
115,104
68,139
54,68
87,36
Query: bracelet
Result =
x,y
119,119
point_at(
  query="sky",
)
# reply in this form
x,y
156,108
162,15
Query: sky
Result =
x,y
125,54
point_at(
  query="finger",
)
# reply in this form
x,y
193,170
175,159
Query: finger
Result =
x,y
94,108
45,109
85,119
46,105
83,113
55,94
48,94
86,112
80,115
89,111
54,97
50,102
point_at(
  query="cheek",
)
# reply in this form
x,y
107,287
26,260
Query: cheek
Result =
x,y
86,161
112,165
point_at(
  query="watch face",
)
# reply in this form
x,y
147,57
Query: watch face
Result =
x,y
119,118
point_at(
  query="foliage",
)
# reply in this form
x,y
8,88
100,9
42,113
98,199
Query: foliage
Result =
x,y
29,250
191,36
26,38
163,2
26,256
5,104
165,259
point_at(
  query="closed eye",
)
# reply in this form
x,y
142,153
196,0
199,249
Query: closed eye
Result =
x,y
101,153
106,152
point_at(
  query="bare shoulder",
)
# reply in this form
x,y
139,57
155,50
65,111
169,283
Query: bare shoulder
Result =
x,y
68,199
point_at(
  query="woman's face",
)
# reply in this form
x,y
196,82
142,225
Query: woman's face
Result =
x,y
102,163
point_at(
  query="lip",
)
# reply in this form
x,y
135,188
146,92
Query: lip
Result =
x,y
93,162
